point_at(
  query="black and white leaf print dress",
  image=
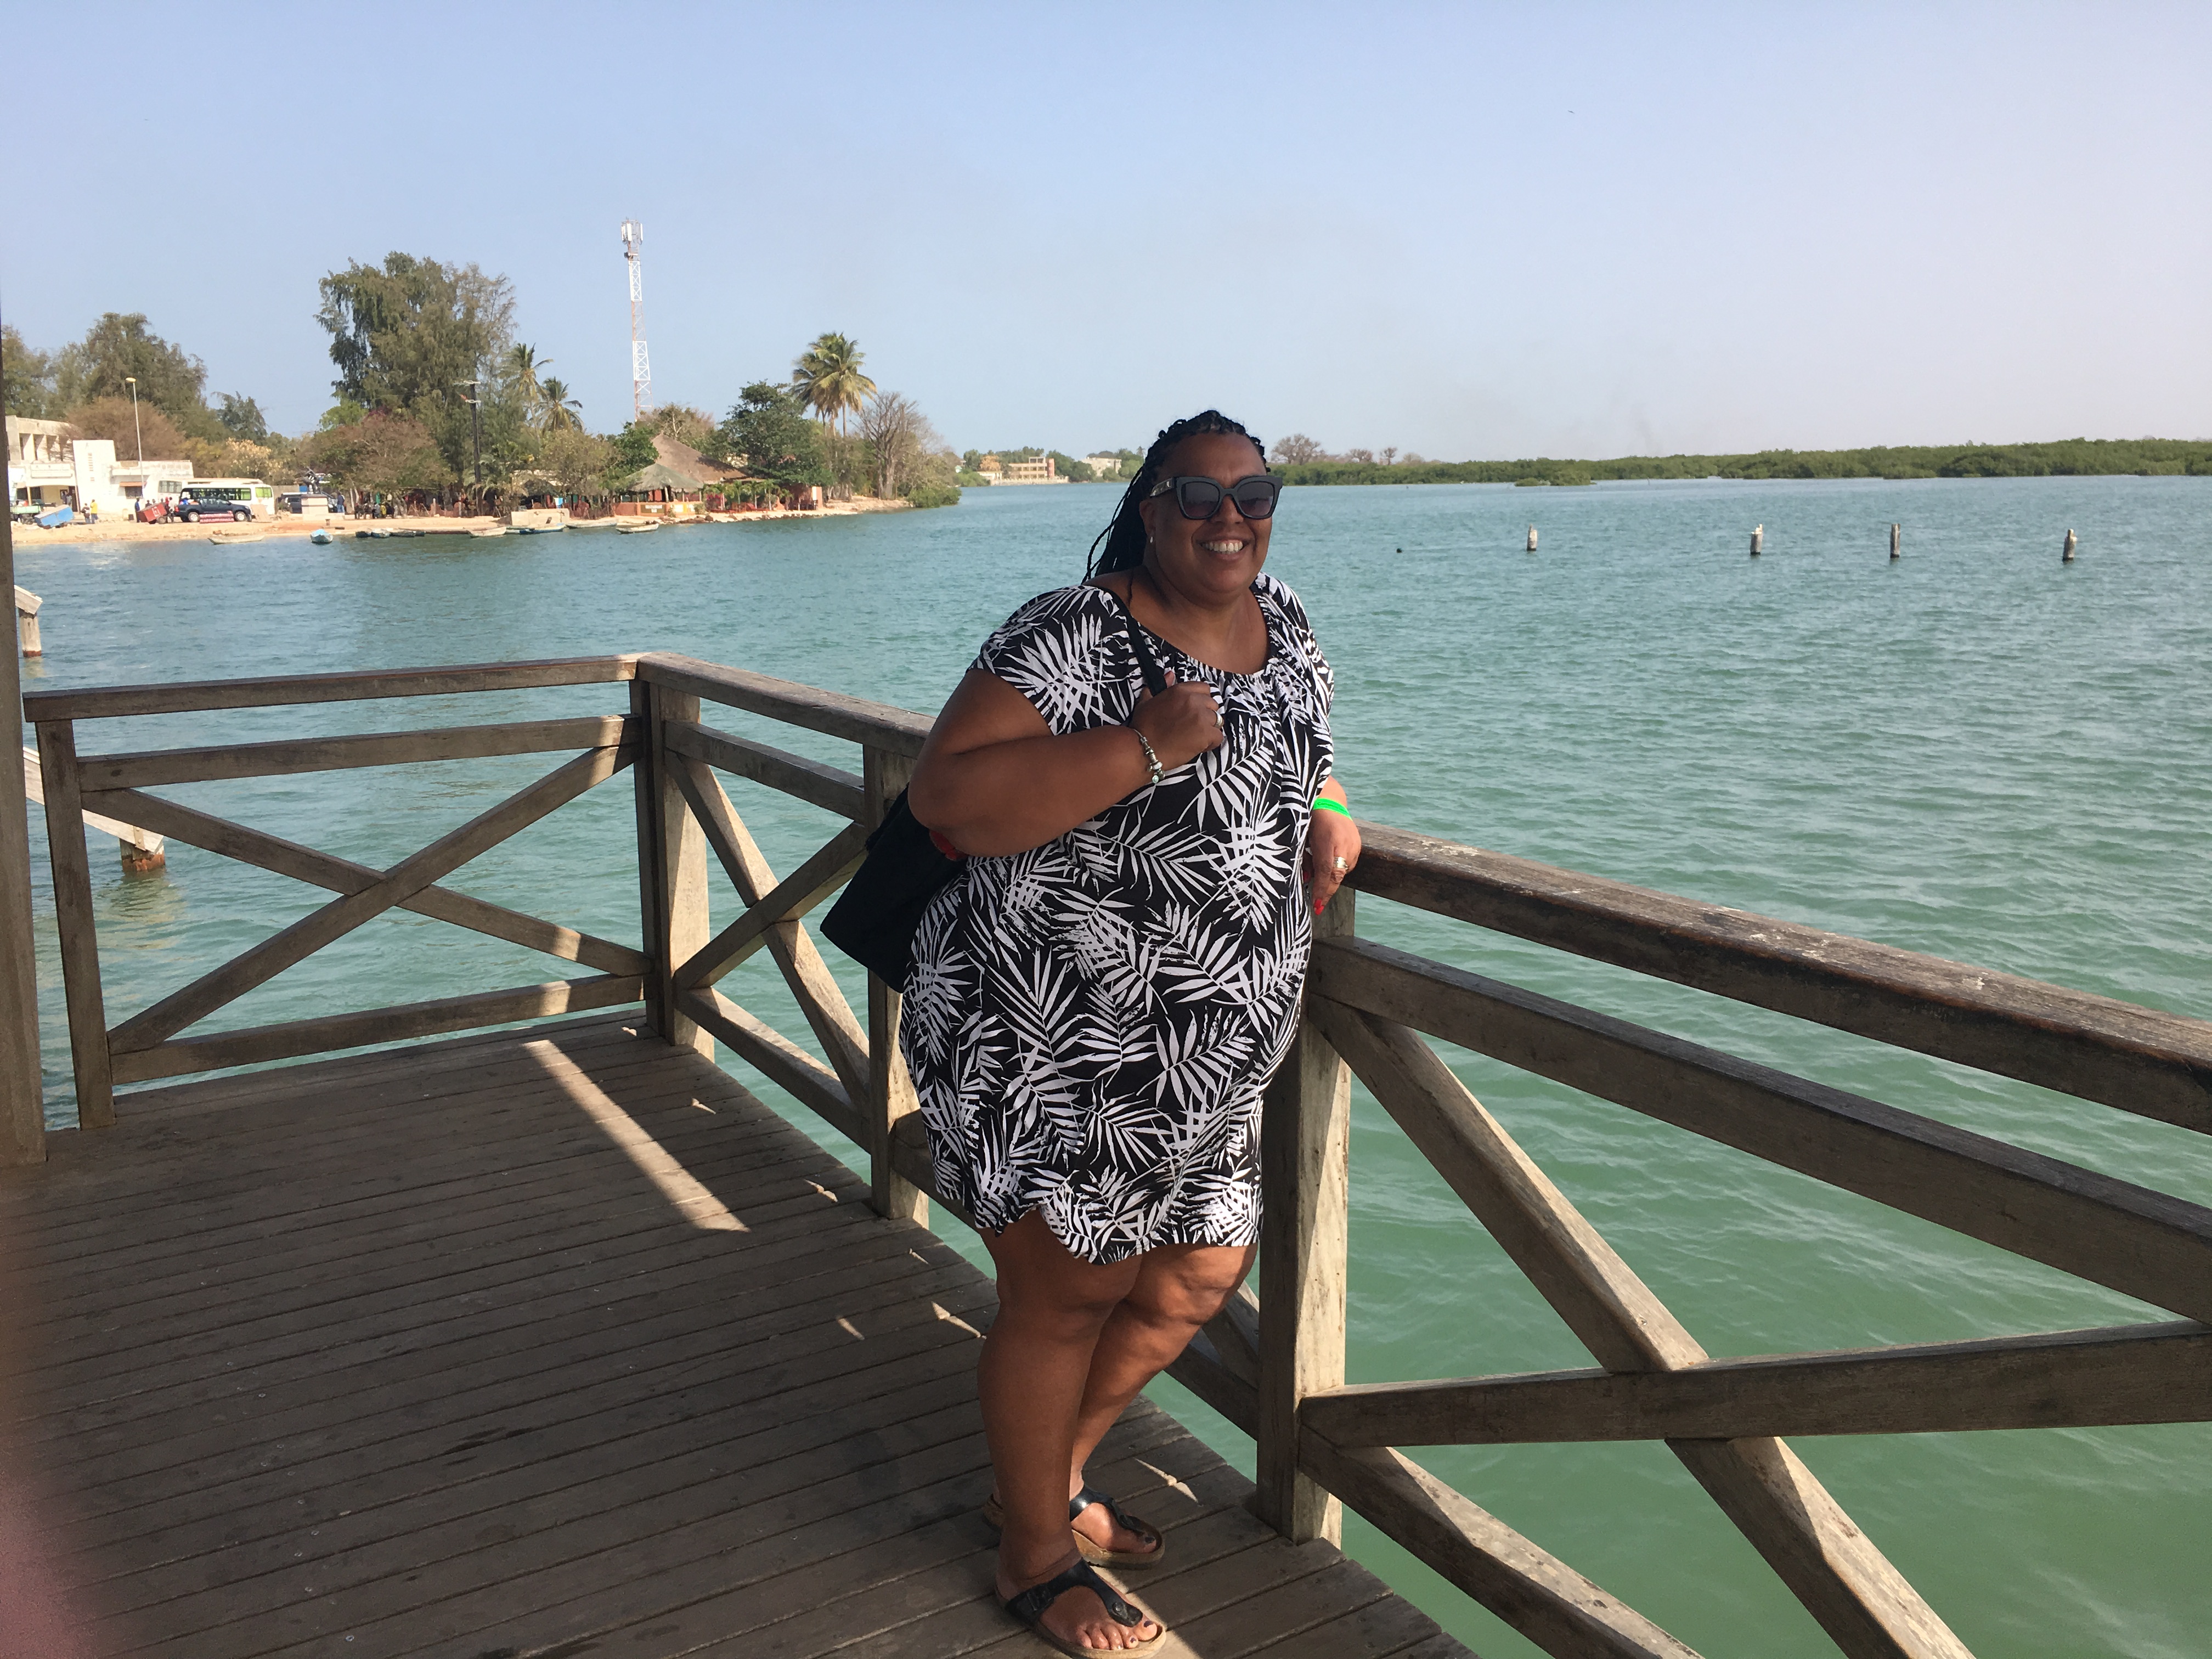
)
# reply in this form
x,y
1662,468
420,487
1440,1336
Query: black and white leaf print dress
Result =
x,y
1091,1023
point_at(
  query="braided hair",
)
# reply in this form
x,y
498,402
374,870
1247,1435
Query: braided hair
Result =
x,y
1123,538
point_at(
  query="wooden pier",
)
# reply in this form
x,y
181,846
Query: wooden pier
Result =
x,y
551,1341
557,1340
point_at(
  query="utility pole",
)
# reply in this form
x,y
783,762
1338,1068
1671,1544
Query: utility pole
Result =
x,y
641,372
475,401
131,381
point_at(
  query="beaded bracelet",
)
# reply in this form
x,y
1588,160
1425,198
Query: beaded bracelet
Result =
x,y
1153,764
1322,803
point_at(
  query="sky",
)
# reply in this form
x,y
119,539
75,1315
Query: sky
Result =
x,y
1469,231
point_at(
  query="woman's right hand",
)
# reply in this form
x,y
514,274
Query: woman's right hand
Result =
x,y
1181,723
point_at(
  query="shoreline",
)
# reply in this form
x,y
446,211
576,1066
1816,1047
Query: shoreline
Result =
x,y
342,529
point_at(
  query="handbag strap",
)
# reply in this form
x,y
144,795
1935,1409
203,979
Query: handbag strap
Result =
x,y
1155,681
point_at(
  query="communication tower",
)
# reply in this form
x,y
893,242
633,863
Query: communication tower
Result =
x,y
641,372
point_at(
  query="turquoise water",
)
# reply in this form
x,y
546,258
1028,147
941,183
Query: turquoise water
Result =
x,y
1975,751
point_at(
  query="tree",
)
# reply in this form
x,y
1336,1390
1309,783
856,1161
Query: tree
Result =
x,y
573,459
382,452
692,427
406,334
827,378
119,349
29,376
242,417
111,418
520,367
1297,449
768,433
557,410
633,452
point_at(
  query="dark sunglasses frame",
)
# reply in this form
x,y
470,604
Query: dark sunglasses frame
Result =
x,y
1184,489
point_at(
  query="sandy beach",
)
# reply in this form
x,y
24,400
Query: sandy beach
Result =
x,y
288,528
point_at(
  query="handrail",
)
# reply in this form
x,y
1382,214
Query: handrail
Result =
x,y
2118,1054
1275,1366
269,691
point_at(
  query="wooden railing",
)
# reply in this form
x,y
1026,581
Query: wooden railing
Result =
x,y
1275,1365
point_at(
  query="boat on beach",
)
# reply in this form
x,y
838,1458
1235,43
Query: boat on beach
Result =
x,y
638,527
320,538
487,534
231,533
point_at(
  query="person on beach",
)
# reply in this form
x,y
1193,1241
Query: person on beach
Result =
x,y
1100,997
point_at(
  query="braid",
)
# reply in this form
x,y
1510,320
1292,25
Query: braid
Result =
x,y
1123,538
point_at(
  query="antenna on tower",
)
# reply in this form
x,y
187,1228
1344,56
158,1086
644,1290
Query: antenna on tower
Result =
x,y
641,372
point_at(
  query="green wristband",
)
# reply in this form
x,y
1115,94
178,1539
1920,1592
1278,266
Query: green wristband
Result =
x,y
1322,803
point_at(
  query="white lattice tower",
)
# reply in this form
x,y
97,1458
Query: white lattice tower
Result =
x,y
641,370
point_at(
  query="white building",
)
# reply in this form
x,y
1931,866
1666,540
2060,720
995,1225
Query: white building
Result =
x,y
48,467
1103,466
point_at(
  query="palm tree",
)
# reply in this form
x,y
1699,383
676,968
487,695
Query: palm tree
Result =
x,y
522,365
827,378
557,409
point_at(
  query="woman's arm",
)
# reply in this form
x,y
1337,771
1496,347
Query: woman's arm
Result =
x,y
1333,835
993,780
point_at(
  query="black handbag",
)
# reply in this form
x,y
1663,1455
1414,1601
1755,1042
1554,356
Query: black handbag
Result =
x,y
874,919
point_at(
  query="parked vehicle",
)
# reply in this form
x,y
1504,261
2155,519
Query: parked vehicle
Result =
x,y
192,509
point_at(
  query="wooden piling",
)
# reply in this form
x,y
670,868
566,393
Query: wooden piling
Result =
x,y
27,623
1896,539
1532,538
1757,539
2067,557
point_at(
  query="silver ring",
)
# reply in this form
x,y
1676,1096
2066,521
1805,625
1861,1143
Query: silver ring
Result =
x,y
1342,864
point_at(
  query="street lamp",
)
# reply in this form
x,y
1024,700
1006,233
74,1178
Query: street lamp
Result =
x,y
476,431
131,381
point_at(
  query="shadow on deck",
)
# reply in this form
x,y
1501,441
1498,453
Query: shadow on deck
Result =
x,y
550,1342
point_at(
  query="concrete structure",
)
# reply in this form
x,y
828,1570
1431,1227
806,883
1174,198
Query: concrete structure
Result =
x,y
1040,471
1106,466
49,467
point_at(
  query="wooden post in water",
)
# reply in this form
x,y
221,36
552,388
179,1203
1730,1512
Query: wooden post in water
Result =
x,y
27,623
22,1104
1532,538
1896,539
890,1087
1757,539
2067,557
1305,1151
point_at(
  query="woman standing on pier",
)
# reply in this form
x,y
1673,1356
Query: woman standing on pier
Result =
x,y
1098,1003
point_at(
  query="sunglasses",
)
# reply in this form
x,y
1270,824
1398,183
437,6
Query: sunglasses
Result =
x,y
1200,498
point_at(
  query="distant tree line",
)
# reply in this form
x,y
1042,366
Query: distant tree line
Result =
x,y
434,395
1302,461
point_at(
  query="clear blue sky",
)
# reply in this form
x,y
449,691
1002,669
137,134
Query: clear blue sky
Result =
x,y
1468,231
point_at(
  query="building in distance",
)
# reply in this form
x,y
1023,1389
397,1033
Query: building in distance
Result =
x,y
49,467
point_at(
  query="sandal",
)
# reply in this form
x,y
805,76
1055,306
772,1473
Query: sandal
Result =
x,y
1029,1605
1097,1555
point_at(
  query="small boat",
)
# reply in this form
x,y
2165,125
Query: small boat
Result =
x,y
229,534
320,538
638,527
487,535
387,535
535,529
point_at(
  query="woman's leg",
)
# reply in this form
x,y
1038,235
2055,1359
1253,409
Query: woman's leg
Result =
x,y
1178,1288
1032,1381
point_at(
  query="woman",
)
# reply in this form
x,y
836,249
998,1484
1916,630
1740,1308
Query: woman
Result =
x,y
1099,1002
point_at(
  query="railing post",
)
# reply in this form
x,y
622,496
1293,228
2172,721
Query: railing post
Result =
x,y
671,865
891,1089
22,1104
1305,1149
73,915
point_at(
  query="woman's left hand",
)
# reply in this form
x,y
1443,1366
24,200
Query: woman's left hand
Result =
x,y
1332,851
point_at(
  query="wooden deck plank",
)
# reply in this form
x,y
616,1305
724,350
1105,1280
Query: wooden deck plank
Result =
x,y
404,1348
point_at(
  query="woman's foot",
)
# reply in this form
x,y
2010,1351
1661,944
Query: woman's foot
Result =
x,y
1096,1524
1076,1619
